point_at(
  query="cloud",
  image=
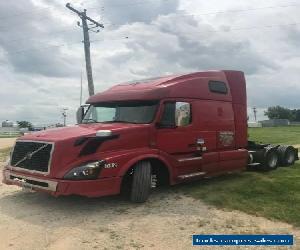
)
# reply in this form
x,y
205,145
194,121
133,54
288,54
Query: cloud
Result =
x,y
31,42
160,48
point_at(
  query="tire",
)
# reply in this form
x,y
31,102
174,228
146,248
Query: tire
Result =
x,y
141,182
271,159
287,155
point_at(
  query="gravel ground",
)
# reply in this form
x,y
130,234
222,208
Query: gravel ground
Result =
x,y
7,142
167,221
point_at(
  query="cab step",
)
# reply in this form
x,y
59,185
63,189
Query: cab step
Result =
x,y
255,164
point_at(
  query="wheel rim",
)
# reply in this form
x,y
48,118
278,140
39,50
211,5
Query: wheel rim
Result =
x,y
273,161
290,157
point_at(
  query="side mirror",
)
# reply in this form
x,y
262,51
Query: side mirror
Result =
x,y
80,114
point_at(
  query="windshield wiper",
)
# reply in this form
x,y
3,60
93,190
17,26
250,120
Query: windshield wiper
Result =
x,y
120,121
89,119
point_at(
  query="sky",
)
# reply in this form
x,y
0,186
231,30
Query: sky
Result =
x,y
42,56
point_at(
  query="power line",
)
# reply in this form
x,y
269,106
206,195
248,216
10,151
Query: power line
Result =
x,y
257,51
146,2
48,8
177,14
230,29
29,38
102,40
43,48
226,11
26,23
58,46
240,10
175,33
24,13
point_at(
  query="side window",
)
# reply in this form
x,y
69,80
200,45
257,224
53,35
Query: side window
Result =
x,y
176,114
218,87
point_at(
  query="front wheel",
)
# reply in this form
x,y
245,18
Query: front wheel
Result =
x,y
141,182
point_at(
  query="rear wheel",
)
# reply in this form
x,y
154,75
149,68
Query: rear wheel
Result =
x,y
271,160
287,155
141,182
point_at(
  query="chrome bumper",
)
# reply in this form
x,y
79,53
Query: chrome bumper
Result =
x,y
29,182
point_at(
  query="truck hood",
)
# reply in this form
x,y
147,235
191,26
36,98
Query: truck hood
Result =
x,y
68,153
65,133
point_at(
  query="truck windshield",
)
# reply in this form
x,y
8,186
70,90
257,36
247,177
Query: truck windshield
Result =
x,y
141,112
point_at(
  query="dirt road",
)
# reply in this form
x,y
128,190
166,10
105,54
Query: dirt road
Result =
x,y
167,221
7,142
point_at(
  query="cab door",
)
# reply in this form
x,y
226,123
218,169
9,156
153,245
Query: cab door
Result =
x,y
177,137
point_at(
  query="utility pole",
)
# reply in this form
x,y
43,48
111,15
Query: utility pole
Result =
x,y
86,41
81,88
64,114
254,112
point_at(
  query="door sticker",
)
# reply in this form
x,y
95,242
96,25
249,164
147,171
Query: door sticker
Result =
x,y
226,138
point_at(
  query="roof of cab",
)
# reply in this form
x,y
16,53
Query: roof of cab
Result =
x,y
192,85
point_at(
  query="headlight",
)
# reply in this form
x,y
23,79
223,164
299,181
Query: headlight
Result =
x,y
88,171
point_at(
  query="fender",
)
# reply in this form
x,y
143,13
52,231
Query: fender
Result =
x,y
133,161
132,157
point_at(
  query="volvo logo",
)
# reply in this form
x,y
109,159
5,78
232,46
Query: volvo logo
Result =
x,y
28,156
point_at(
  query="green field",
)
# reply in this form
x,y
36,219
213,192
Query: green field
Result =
x,y
274,195
281,135
9,135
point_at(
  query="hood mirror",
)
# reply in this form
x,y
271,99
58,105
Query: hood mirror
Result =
x,y
79,114
103,133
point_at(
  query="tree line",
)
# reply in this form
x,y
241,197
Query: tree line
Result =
x,y
278,112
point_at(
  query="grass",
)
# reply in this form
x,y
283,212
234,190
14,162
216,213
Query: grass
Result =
x,y
281,135
274,195
9,136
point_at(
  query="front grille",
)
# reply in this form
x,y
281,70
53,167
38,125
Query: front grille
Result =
x,y
33,156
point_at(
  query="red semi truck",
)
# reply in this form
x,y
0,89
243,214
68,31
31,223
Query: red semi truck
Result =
x,y
144,134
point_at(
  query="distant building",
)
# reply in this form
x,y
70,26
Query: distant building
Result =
x,y
275,122
295,123
39,127
254,125
9,128
7,124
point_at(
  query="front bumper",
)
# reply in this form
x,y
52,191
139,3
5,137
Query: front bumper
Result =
x,y
59,187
